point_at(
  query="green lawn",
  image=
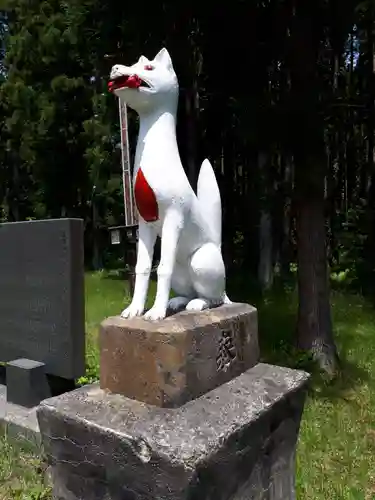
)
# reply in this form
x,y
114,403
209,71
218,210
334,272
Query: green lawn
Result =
x,y
22,475
336,453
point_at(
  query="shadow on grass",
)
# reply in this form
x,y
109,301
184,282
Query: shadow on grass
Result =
x,y
350,377
116,275
123,275
277,311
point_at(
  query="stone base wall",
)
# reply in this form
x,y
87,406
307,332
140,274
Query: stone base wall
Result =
x,y
236,442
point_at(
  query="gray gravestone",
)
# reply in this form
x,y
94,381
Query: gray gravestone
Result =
x,y
42,294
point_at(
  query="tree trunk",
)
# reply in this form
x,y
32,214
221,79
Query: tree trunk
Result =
x,y
283,218
266,243
13,193
97,262
191,135
265,266
314,325
370,243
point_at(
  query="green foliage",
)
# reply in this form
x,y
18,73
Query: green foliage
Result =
x,y
349,266
57,129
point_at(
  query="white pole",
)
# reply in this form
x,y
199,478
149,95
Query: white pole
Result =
x,y
130,213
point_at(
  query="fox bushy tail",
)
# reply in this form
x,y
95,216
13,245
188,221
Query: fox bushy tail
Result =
x,y
209,200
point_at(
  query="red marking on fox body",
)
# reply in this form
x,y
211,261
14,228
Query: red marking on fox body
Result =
x,y
145,198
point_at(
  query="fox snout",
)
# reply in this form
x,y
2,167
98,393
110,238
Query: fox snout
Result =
x,y
118,70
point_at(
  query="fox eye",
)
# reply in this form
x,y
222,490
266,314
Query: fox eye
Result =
x,y
149,67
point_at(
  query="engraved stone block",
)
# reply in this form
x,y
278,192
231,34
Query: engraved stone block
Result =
x,y
170,362
42,294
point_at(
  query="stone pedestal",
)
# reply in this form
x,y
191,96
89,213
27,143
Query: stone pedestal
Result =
x,y
236,442
170,362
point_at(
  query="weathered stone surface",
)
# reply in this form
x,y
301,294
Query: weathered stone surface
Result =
x,y
19,423
27,383
236,442
170,362
42,294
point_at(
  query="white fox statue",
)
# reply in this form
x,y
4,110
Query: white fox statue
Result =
x,y
189,225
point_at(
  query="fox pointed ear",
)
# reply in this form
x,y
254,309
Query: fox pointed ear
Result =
x,y
164,58
143,60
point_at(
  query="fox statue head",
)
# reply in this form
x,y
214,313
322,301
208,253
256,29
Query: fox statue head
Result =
x,y
146,86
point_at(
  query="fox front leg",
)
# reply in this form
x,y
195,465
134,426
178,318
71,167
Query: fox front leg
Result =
x,y
146,243
170,235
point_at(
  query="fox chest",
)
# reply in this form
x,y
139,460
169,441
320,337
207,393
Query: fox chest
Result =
x,y
145,198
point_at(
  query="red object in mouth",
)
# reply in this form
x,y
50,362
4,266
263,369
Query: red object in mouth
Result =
x,y
145,198
131,82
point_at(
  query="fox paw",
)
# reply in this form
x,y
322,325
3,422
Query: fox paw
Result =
x,y
177,303
132,311
197,305
155,313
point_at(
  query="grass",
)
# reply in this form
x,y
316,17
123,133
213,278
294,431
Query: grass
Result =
x,y
336,451
336,454
22,475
